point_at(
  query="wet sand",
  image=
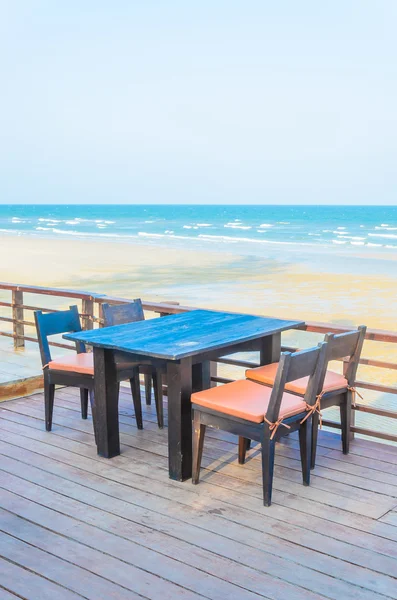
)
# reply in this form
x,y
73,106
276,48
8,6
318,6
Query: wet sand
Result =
x,y
285,287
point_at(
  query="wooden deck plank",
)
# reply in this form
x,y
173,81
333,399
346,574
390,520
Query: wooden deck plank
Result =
x,y
249,489
349,482
245,496
29,586
230,468
4,595
58,498
64,572
75,437
98,573
130,552
168,510
362,539
379,563
165,543
339,494
194,536
370,463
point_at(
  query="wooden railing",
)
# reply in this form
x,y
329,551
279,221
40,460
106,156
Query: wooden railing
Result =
x,y
91,315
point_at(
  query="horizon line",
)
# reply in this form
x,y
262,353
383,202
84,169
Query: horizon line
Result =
x,y
187,204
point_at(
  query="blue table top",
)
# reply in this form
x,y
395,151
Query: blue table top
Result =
x,y
185,334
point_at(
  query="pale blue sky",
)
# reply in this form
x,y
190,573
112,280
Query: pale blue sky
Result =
x,y
206,101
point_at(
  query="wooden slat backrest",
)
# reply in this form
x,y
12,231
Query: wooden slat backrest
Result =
x,y
306,363
47,324
118,314
347,345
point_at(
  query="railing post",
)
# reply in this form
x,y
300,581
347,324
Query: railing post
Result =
x,y
100,315
88,310
18,329
213,372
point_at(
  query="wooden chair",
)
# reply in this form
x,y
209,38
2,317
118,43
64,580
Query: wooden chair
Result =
x,y
75,370
118,314
334,390
258,412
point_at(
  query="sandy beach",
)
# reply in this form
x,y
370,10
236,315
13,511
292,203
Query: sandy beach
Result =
x,y
284,288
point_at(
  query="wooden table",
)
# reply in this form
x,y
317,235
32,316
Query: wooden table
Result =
x,y
187,342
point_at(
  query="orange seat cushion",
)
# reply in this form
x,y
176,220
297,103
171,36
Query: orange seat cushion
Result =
x,y
267,374
77,363
246,400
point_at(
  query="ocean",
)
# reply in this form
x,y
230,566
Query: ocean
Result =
x,y
248,227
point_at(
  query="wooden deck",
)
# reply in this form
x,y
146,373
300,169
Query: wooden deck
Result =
x,y
20,371
74,525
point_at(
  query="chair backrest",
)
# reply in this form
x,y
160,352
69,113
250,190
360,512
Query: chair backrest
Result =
x,y
62,321
346,345
118,314
305,363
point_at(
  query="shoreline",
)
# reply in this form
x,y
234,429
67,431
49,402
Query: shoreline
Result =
x,y
220,243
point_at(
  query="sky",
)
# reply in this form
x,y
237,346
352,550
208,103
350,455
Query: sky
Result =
x,y
210,101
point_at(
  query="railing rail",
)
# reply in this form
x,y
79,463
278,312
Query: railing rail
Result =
x,y
91,303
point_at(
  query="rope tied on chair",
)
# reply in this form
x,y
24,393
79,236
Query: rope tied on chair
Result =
x,y
274,426
315,408
354,391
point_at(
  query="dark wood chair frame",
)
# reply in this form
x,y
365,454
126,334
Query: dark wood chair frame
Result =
x,y
68,321
118,314
48,324
292,366
339,346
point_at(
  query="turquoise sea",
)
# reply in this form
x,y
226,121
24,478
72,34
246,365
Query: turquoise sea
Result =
x,y
249,227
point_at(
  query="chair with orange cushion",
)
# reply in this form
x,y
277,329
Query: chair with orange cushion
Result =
x,y
131,312
255,411
73,369
334,390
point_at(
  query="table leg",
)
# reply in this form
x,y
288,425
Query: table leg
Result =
x,y
179,380
106,403
270,349
201,375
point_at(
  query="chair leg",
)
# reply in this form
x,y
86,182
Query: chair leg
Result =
x,y
315,423
345,419
243,446
198,444
136,397
158,397
148,388
93,412
268,447
49,392
305,443
84,402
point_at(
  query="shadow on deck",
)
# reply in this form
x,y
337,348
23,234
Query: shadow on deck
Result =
x,y
75,525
